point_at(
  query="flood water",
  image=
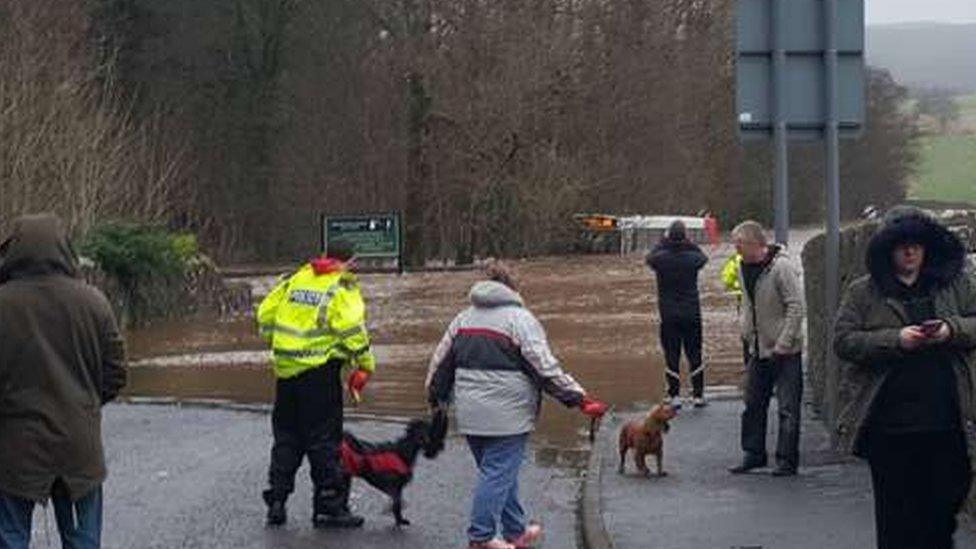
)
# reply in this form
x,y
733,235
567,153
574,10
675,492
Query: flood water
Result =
x,y
599,311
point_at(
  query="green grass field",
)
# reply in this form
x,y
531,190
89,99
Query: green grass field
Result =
x,y
947,163
947,169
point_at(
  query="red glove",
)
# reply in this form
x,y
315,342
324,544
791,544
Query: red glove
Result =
x,y
357,382
592,407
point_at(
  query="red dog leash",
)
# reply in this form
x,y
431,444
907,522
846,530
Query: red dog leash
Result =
x,y
595,424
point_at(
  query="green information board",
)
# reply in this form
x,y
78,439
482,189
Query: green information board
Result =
x,y
372,235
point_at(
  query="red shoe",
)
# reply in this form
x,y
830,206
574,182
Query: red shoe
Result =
x,y
529,538
491,544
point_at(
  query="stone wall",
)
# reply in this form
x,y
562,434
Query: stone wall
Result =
x,y
822,374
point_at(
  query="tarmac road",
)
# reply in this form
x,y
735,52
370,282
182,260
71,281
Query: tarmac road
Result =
x,y
184,477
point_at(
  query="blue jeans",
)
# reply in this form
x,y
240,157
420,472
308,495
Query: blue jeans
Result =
x,y
79,522
496,497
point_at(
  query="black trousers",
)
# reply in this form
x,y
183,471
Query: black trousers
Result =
x,y
307,421
678,334
920,482
784,375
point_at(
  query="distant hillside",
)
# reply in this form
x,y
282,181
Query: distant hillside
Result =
x,y
926,54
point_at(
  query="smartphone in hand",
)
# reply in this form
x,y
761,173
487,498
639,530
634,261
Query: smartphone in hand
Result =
x,y
931,327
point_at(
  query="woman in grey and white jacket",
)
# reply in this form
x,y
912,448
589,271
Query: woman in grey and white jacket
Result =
x,y
492,364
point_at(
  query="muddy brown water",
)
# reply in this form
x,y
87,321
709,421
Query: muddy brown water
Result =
x,y
599,311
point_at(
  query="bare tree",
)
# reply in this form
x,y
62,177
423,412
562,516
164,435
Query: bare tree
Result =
x,y
487,122
938,103
67,144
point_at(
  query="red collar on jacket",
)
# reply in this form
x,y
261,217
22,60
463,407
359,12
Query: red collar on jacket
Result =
x,y
326,265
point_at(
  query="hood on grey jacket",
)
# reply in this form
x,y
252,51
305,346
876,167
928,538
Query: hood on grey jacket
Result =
x,y
488,294
37,245
945,256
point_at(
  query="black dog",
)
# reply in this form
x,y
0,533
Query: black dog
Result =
x,y
388,466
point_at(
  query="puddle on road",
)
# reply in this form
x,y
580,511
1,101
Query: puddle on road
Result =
x,y
599,312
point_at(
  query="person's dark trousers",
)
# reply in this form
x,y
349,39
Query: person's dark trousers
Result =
x,y
783,374
920,483
79,522
678,334
307,421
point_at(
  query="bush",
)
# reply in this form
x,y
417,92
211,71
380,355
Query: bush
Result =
x,y
152,270
186,248
132,253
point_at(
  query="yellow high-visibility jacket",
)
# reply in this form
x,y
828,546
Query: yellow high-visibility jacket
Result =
x,y
730,275
310,319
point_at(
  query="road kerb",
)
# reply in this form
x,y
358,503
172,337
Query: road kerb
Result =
x,y
595,535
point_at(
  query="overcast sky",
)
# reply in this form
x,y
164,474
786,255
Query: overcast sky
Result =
x,y
903,11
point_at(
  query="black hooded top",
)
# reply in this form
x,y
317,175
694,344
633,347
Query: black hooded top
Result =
x,y
676,261
920,394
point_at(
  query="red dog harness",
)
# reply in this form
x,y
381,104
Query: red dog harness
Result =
x,y
357,464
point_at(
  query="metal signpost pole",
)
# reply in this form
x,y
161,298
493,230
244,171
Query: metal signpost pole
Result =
x,y
832,155
781,191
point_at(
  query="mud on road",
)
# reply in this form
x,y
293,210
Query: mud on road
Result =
x,y
599,310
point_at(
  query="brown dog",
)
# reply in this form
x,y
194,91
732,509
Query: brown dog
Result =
x,y
646,437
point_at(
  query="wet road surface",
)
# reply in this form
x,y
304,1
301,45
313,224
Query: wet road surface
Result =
x,y
192,478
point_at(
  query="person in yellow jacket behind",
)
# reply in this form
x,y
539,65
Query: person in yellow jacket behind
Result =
x,y
730,280
315,323
730,276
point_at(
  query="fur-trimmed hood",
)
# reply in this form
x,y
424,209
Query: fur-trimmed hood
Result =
x,y
945,255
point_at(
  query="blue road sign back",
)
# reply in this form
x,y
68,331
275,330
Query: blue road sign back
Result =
x,y
803,32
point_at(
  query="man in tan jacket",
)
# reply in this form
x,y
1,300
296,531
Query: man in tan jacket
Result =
x,y
772,321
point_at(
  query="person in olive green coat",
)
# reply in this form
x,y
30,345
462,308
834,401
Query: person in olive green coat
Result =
x,y
906,336
61,358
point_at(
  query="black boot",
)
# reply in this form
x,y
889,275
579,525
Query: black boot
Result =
x,y
331,510
784,470
341,519
749,463
277,515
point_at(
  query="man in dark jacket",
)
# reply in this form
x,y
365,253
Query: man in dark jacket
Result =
x,y
676,262
61,359
906,334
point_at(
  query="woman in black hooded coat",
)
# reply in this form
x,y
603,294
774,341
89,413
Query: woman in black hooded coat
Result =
x,y
906,334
